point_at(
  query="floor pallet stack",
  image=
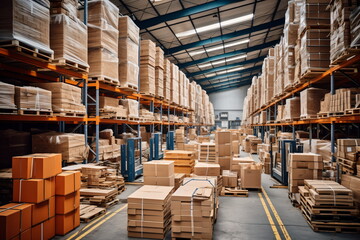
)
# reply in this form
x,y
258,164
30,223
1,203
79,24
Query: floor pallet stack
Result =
x,y
329,207
192,210
149,214
180,138
184,161
207,152
223,149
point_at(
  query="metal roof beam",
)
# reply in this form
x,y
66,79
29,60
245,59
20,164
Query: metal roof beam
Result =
x,y
229,81
229,54
228,87
229,74
184,13
225,67
226,36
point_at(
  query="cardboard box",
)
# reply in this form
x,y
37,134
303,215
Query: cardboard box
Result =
x,y
16,218
159,181
67,182
42,211
44,230
159,168
230,178
67,222
207,169
36,166
222,137
224,162
33,190
223,150
66,204
251,176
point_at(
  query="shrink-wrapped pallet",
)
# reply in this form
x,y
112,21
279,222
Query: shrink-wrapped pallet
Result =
x,y
33,98
167,80
128,29
103,35
68,39
128,63
355,27
7,96
64,97
292,109
26,21
132,107
103,65
103,9
310,102
68,7
72,146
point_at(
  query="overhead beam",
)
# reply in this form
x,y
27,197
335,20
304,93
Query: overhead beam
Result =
x,y
255,60
227,84
226,36
184,13
229,74
227,87
229,54
229,81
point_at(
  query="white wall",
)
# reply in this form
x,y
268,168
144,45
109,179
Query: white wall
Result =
x,y
230,101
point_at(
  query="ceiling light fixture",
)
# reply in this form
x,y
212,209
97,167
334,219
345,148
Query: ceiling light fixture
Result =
x,y
226,45
215,26
222,61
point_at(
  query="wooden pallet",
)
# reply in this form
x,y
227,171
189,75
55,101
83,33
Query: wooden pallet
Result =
x,y
331,114
335,227
322,115
104,80
312,72
28,50
134,119
129,87
36,112
308,117
89,213
293,200
67,64
353,111
147,94
110,204
346,55
8,111
113,117
70,114
233,192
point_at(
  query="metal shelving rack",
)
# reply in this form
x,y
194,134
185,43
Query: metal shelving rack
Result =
x,y
271,109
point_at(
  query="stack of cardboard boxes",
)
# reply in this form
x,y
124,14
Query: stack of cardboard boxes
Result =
x,y
208,152
223,149
174,83
149,213
159,73
184,161
129,39
103,37
251,176
37,212
347,155
67,201
167,80
180,138
250,143
192,210
159,172
230,178
147,67
109,108
207,169
303,166
68,35
33,99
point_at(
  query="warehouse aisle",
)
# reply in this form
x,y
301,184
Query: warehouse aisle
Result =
x,y
239,218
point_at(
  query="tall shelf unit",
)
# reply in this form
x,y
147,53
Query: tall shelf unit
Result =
x,y
334,78
27,69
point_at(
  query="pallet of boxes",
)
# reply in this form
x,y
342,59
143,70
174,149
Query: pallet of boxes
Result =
x,y
328,206
147,67
46,200
184,161
347,155
159,172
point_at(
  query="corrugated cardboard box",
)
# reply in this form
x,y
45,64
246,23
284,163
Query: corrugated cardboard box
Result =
x,y
251,176
67,222
207,169
32,98
33,190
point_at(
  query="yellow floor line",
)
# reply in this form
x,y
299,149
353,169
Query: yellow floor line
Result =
x,y
100,223
277,217
271,221
88,225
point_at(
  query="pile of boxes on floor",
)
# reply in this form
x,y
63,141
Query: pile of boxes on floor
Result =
x,y
317,34
46,200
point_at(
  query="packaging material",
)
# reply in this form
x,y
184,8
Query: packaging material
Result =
x,y
15,219
27,22
149,212
32,98
128,29
354,26
7,96
207,169
103,64
44,230
70,145
352,183
292,109
310,102
159,172
68,40
33,190
37,165
64,97
230,178
65,204
132,107
251,176
69,7
303,166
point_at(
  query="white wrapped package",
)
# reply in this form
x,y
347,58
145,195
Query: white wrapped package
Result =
x,y
132,107
33,98
27,21
103,9
7,96
128,29
68,39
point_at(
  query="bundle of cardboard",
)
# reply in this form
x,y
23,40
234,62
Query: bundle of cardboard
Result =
x,y
184,161
149,213
159,172
147,67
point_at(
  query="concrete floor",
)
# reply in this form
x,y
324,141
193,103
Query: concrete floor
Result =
x,y
239,218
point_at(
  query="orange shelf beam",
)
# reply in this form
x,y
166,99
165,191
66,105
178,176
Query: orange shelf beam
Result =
x,y
36,118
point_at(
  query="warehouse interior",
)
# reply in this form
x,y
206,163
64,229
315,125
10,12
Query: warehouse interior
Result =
x,y
179,119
